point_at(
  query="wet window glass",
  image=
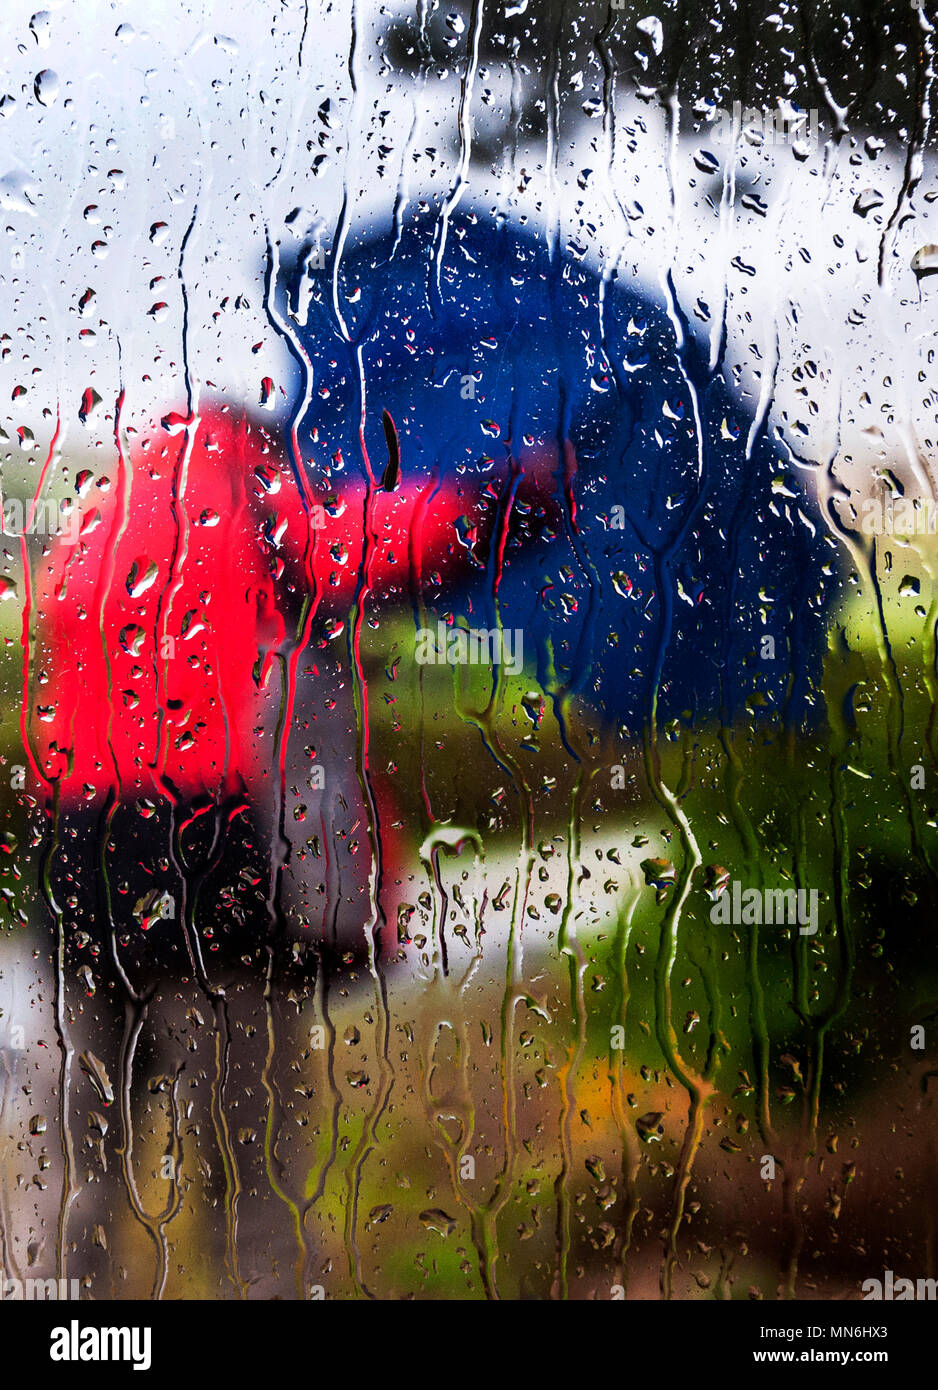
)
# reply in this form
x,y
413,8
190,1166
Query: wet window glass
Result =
x,y
467,741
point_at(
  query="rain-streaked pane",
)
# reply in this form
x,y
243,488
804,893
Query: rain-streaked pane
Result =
x,y
468,743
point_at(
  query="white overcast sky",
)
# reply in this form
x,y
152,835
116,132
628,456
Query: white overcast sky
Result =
x,y
152,116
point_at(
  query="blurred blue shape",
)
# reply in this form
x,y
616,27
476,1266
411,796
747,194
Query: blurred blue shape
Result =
x,y
665,556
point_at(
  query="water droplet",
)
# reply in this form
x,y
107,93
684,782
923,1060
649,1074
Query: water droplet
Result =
x,y
141,576
46,87
925,261
435,1219
96,1073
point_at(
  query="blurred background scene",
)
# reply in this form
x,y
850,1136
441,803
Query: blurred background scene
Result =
x,y
468,479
